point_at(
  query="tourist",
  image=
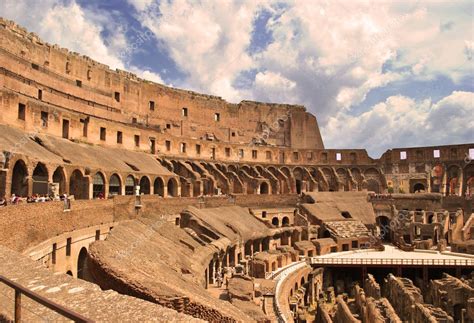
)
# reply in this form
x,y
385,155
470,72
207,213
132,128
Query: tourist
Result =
x,y
3,202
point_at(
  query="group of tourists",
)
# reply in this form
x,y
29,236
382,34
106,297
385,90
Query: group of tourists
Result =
x,y
35,198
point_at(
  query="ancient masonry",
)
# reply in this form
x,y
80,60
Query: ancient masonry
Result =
x,y
174,206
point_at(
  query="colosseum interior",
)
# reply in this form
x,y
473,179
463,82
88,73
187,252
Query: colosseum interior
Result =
x,y
175,206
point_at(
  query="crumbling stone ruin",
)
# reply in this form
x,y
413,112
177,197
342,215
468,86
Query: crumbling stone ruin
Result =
x,y
123,199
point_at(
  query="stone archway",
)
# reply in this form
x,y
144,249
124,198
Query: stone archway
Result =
x,y
373,186
19,185
78,185
144,185
98,186
299,186
264,188
172,187
159,187
115,185
40,180
276,221
130,185
285,222
82,266
59,179
385,230
418,187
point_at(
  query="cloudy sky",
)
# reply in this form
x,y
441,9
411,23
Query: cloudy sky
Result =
x,y
377,74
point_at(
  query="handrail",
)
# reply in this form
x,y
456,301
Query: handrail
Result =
x,y
392,261
19,290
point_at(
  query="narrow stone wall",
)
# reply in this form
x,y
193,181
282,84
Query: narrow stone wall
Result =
x,y
343,313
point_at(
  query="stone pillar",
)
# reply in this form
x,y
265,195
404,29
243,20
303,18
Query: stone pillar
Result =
x,y
29,179
5,185
106,189
91,188
214,267
444,183
461,182
152,188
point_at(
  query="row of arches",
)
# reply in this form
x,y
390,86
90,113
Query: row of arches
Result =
x,y
194,178
79,183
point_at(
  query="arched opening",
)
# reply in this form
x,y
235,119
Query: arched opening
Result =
x,y
20,179
40,180
159,186
276,221
299,185
419,187
470,186
302,281
196,188
129,185
383,223
82,268
172,187
144,185
98,186
285,221
237,186
78,185
115,187
69,273
59,181
373,186
431,218
264,188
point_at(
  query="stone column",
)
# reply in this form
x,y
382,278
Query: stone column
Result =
x,y
444,183
460,181
5,184
29,179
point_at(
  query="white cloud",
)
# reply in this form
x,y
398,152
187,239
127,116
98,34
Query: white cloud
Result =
x,y
65,24
140,4
402,122
147,75
208,41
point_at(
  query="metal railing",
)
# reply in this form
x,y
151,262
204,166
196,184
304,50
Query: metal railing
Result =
x,y
20,290
408,262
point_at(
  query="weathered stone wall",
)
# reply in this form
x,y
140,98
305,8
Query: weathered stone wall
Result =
x,y
77,82
372,288
453,296
343,313
35,222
